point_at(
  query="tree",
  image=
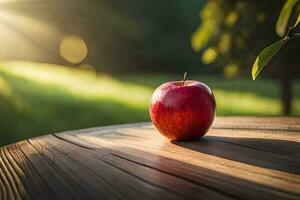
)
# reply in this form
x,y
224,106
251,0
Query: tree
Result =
x,y
233,32
269,52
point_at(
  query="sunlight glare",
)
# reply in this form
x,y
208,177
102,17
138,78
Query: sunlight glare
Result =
x,y
73,49
7,1
26,37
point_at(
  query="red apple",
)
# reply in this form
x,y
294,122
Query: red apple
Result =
x,y
182,110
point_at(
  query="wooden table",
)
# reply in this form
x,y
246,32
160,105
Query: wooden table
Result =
x,y
240,158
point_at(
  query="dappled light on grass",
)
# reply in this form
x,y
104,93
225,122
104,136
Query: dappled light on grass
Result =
x,y
39,98
85,84
49,98
5,88
244,103
79,82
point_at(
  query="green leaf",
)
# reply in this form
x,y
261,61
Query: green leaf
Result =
x,y
297,21
265,56
284,17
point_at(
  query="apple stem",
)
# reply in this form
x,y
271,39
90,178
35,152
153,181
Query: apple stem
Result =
x,y
184,77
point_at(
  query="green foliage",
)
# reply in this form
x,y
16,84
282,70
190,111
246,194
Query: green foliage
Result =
x,y
297,21
211,16
265,56
232,33
227,32
269,52
284,17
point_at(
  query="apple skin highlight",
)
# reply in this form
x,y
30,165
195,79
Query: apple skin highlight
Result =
x,y
182,110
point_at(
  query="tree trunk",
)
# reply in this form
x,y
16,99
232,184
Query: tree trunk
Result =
x,y
286,95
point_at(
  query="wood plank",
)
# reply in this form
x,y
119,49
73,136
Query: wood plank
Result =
x,y
279,143
141,175
115,183
45,174
258,123
27,173
266,168
128,140
240,158
239,188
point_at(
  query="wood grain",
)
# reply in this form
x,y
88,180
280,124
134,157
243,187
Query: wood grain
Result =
x,y
240,158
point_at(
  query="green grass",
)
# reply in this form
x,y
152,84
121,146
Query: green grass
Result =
x,y
38,99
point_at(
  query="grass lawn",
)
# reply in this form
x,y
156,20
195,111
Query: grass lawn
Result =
x,y
38,99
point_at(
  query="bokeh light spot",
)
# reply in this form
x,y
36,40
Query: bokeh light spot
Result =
x,y
224,44
231,70
261,17
209,55
231,19
73,49
211,18
240,42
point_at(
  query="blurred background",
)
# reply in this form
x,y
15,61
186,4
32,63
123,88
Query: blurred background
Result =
x,y
70,64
